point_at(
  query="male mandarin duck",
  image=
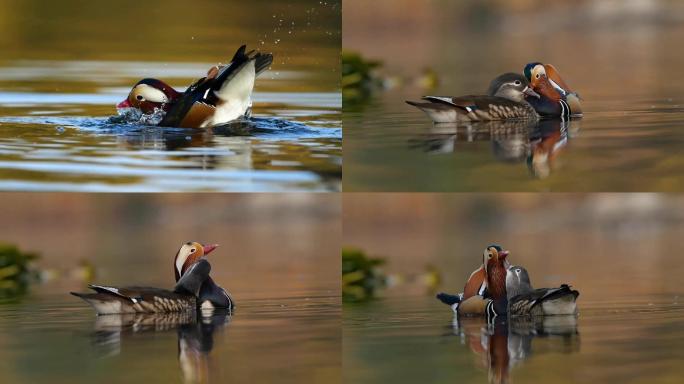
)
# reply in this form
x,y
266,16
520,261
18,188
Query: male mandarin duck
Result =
x,y
557,99
210,294
485,283
222,96
524,300
193,288
505,100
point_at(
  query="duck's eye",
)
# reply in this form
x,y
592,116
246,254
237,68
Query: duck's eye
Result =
x,y
139,97
193,250
517,82
537,75
517,271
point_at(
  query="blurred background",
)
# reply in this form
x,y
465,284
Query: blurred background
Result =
x,y
619,55
303,36
620,251
605,48
283,242
607,245
277,257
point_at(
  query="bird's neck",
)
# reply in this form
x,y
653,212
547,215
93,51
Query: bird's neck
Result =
x,y
496,281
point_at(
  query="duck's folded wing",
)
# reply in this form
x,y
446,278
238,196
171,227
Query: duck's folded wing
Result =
x,y
191,281
466,103
482,107
134,293
554,293
543,294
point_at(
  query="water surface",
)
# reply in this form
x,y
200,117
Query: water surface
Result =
x,y
407,338
56,338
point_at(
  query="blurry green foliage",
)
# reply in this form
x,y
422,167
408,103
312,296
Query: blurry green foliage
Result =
x,y
360,277
15,271
358,79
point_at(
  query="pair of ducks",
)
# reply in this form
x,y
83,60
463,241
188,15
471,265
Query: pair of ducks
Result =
x,y
194,289
499,288
540,92
222,96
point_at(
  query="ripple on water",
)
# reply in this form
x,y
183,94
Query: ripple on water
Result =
x,y
279,153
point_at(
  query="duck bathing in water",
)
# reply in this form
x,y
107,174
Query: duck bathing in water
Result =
x,y
222,96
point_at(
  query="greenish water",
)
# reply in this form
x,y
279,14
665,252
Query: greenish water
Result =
x,y
409,338
61,77
391,146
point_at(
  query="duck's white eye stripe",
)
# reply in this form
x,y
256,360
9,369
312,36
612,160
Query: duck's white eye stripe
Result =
x,y
152,94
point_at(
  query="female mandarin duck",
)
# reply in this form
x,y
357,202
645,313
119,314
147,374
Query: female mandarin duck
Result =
x,y
505,100
557,99
523,300
222,96
193,288
484,284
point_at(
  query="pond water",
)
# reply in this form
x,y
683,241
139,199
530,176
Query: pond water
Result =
x,y
57,96
392,147
616,57
409,338
56,338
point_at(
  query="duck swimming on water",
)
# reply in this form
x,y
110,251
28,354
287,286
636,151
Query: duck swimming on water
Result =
x,y
194,288
505,99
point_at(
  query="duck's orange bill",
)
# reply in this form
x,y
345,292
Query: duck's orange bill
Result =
x,y
209,247
123,104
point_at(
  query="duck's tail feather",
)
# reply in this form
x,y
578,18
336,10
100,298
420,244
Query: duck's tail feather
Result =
x,y
438,112
262,62
449,299
103,303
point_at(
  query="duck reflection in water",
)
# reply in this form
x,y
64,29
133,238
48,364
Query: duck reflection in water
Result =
x,y
195,331
536,143
502,343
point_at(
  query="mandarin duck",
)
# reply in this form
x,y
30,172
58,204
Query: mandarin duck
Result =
x,y
557,99
222,96
524,300
192,275
505,100
484,284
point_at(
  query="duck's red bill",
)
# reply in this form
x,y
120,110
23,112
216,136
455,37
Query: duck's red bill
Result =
x,y
123,104
503,254
209,247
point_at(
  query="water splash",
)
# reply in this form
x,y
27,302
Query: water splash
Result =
x,y
135,116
